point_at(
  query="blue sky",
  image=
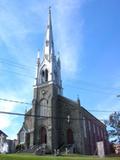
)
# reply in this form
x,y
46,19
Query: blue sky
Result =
x,y
87,35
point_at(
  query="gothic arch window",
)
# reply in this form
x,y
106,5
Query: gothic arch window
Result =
x,y
43,75
22,137
43,108
46,75
69,136
84,127
43,135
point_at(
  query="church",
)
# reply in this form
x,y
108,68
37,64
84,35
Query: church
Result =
x,y
55,121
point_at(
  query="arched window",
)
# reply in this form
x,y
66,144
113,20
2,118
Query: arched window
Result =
x,y
43,108
22,137
69,136
46,75
43,73
43,135
43,76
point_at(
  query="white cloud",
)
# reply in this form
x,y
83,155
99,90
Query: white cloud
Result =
x,y
68,31
117,84
7,120
16,26
11,124
4,122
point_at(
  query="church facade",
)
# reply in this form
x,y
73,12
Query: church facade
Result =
x,y
55,121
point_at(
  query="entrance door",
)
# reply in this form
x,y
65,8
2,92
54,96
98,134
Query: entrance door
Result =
x,y
69,136
28,140
43,136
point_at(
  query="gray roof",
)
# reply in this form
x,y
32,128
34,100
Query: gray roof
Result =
x,y
1,132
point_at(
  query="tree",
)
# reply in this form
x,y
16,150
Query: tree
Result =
x,y
114,127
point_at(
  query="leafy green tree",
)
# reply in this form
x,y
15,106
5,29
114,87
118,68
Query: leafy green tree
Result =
x,y
114,127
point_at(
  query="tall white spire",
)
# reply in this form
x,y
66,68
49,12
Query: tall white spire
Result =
x,y
49,45
48,71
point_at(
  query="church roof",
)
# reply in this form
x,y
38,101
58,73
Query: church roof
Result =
x,y
23,128
28,112
67,99
91,116
81,108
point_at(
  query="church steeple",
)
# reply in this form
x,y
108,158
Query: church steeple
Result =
x,y
48,71
49,45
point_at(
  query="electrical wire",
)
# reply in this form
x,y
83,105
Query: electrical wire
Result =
x,y
28,103
12,63
46,117
14,101
97,89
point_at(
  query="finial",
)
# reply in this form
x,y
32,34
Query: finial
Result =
x,y
78,100
58,53
49,9
38,56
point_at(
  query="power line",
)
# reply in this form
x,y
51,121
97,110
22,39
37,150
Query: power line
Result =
x,y
8,62
46,117
18,73
101,111
28,103
17,66
28,68
15,101
93,90
103,87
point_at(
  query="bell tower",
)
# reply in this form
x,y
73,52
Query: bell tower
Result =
x,y
47,87
48,71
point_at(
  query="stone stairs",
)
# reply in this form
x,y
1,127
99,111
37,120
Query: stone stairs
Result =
x,y
66,149
37,149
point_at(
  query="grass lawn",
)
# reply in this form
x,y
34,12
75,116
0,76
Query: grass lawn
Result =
x,y
69,157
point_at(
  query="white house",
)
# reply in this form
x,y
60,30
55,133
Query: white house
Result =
x,y
3,142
